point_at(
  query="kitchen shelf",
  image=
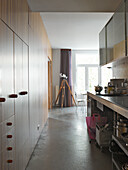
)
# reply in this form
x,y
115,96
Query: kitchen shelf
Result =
x,y
119,160
121,144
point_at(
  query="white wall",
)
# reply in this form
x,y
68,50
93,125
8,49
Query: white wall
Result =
x,y
56,70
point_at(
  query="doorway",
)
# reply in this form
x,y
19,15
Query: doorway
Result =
x,y
88,76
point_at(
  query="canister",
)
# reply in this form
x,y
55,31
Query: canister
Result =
x,y
121,127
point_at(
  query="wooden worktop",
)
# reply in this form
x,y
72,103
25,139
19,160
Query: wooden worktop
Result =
x,y
118,104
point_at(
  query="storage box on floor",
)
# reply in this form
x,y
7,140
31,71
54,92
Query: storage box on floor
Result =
x,y
103,134
98,129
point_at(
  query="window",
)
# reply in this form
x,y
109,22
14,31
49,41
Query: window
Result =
x,y
81,79
88,71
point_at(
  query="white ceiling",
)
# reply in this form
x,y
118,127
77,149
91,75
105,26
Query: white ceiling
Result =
x,y
73,5
75,30
71,27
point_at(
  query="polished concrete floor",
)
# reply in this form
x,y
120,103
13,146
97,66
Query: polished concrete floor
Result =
x,y
64,144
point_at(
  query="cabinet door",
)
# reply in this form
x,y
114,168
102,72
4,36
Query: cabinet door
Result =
x,y
119,32
6,71
21,105
18,103
15,15
9,13
110,40
22,20
25,104
102,46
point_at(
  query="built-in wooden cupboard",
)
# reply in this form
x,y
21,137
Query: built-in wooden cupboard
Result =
x,y
24,51
15,15
21,105
7,118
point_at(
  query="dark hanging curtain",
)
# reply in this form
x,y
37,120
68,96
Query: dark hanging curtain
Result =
x,y
65,68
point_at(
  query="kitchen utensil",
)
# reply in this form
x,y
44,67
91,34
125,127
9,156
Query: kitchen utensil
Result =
x,y
125,166
125,137
98,89
111,89
121,127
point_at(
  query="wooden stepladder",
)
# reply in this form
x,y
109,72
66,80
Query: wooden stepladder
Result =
x,y
62,87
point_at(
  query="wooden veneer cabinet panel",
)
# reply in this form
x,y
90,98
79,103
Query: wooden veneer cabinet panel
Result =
x,y
6,70
38,76
0,8
15,15
21,105
22,20
9,13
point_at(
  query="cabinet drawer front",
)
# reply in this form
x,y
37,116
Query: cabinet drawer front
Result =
x,y
4,161
8,162
8,151
8,125
8,138
11,156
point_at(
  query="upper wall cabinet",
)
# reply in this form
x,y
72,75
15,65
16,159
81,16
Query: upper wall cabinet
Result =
x,y
102,46
115,37
119,32
15,15
110,40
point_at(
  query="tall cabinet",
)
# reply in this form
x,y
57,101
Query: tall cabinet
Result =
x,y
24,50
7,118
21,105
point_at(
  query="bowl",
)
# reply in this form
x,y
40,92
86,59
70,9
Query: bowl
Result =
x,y
98,89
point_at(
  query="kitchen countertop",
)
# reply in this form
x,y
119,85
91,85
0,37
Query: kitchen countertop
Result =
x,y
117,103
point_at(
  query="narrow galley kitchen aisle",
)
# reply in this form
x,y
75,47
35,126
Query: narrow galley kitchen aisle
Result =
x,y
64,144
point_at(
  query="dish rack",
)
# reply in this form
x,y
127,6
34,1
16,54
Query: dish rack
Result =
x,y
103,135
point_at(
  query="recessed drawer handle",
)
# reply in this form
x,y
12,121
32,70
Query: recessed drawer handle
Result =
x,y
9,148
9,161
23,93
9,136
2,99
13,96
9,124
